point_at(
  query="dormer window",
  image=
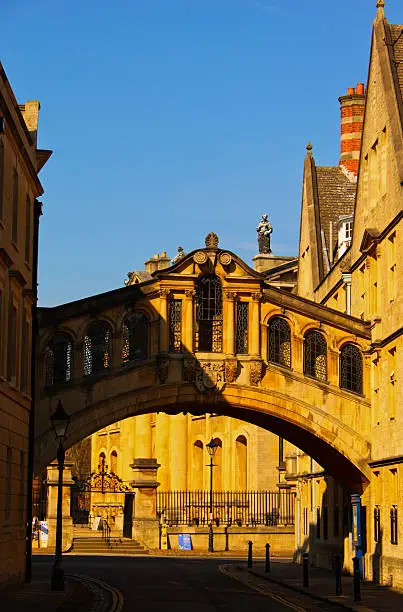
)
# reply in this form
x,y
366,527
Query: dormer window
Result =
x,y
345,234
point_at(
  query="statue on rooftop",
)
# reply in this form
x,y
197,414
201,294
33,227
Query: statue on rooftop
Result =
x,y
264,229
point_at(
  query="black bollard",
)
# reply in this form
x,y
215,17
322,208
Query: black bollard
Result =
x,y
305,574
357,579
226,539
250,560
267,568
337,572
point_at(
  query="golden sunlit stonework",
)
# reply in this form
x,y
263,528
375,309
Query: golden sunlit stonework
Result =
x,y
20,163
207,347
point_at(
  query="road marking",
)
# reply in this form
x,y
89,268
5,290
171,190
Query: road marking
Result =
x,y
261,588
117,596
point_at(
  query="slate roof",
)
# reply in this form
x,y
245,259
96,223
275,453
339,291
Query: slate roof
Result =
x,y
396,33
336,196
142,276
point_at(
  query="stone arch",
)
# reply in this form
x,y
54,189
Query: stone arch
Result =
x,y
241,462
337,446
218,461
198,464
129,309
113,461
57,359
97,356
61,330
87,322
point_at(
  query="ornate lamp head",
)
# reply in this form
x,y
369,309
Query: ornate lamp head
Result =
x,y
211,447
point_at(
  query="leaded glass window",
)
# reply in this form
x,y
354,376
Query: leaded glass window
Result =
x,y
58,360
97,348
134,338
279,339
175,326
351,368
242,318
315,355
209,314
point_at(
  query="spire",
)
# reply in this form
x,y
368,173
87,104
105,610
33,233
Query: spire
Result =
x,y
380,6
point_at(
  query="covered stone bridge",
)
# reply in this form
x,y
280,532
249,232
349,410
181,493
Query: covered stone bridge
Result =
x,y
210,335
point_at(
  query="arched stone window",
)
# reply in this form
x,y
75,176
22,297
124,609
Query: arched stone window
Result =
x,y
217,469
198,465
135,337
315,355
279,342
241,463
209,314
114,462
102,467
97,348
351,368
58,360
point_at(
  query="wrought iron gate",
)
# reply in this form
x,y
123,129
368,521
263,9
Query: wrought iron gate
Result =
x,y
101,482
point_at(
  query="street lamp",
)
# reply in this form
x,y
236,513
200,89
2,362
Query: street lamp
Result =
x,y
60,421
211,448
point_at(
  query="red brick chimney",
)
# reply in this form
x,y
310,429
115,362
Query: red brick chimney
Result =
x,y
352,117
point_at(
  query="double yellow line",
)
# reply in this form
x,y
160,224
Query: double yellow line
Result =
x,y
116,595
265,590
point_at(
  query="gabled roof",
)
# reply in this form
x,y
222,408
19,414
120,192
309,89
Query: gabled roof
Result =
x,y
336,196
396,35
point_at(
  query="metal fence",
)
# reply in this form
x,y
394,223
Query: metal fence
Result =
x,y
243,508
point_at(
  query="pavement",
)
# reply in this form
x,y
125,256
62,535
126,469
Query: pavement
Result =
x,y
81,594
374,598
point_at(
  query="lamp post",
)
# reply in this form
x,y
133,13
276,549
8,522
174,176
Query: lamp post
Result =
x,y
60,421
211,447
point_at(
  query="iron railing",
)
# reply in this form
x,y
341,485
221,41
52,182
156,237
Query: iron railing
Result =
x,y
243,508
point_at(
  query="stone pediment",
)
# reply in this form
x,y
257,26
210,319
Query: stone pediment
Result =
x,y
210,260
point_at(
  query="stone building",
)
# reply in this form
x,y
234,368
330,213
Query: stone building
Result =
x,y
350,260
316,362
20,163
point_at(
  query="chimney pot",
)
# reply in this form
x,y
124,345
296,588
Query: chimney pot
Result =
x,y
350,91
360,88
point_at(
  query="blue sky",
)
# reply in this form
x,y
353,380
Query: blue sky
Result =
x,y
172,118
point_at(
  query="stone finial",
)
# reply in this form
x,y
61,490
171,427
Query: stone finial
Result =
x,y
380,4
211,240
309,147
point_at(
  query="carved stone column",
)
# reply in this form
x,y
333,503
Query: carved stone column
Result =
x,y
52,477
178,451
145,521
347,282
229,337
162,439
189,296
333,366
164,328
297,353
255,340
143,436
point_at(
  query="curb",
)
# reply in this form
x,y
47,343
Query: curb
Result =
x,y
332,600
106,597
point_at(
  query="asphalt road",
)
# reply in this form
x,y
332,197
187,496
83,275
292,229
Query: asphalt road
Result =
x,y
178,584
